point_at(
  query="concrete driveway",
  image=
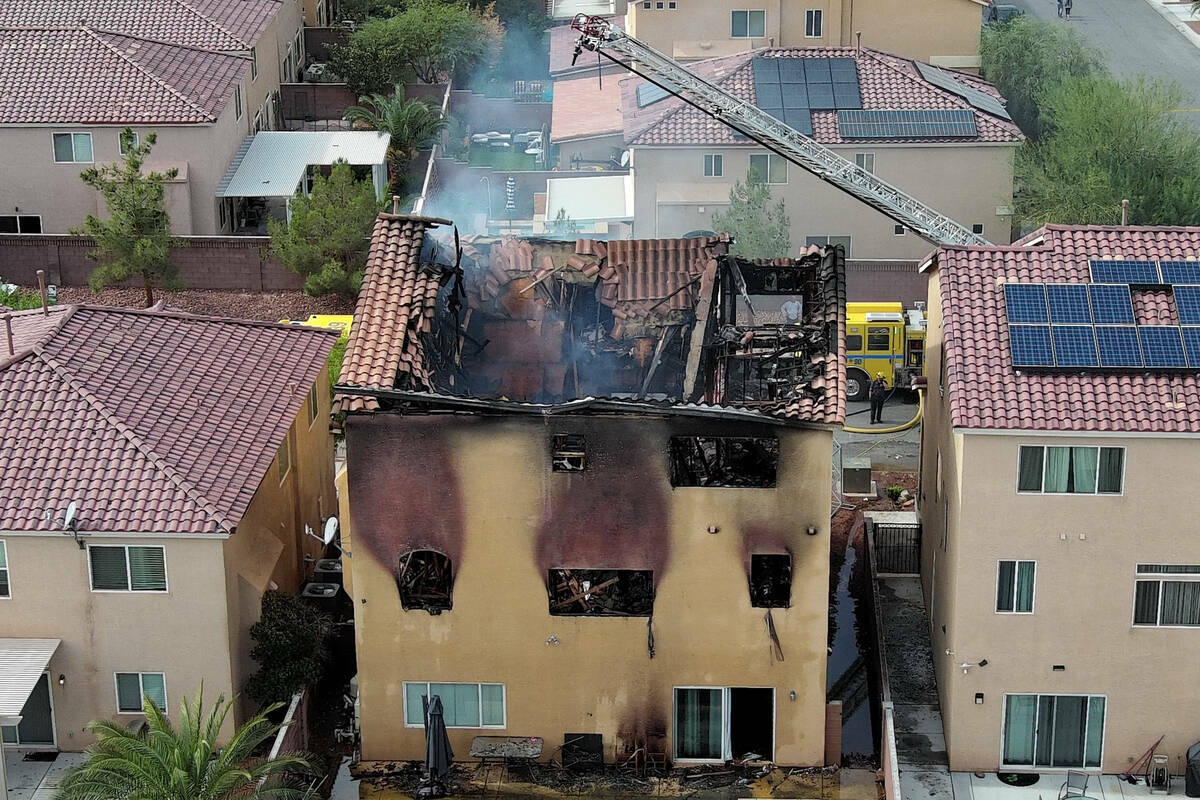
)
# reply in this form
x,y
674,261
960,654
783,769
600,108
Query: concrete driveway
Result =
x,y
892,451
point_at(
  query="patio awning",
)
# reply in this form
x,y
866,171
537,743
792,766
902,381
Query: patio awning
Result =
x,y
590,199
274,162
22,662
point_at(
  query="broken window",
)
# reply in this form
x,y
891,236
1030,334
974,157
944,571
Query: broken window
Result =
x,y
770,581
601,592
425,580
569,454
724,461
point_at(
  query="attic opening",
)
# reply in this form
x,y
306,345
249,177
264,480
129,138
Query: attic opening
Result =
x,y
425,581
601,592
733,461
770,581
568,453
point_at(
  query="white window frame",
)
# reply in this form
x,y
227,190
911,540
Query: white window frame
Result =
x,y
129,572
258,120
322,16
253,64
766,176
1160,578
899,230
137,140
977,228
141,693
862,159
726,746
748,12
286,72
237,102
827,236
1097,493
7,569
1016,571
717,163
72,134
814,20
314,406
299,53
479,690
20,232
1058,770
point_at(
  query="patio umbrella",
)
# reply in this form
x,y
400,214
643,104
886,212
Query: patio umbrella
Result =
x,y
438,754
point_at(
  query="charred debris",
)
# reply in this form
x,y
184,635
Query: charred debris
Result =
x,y
675,321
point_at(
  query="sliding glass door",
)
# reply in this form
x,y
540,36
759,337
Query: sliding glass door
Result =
x,y
1053,730
699,723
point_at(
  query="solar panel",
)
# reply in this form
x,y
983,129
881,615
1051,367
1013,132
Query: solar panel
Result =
x,y
1180,271
1074,346
981,100
648,94
1124,271
820,97
1162,346
1025,302
1191,343
1187,303
1112,304
816,70
843,69
791,70
846,95
919,124
1118,346
1069,303
795,95
765,70
1031,345
774,111
768,95
800,119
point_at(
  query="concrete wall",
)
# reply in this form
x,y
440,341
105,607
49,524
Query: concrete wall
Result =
x,y
482,113
317,40
313,101
593,148
231,262
967,182
482,491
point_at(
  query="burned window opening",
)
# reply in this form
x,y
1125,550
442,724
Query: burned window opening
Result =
x,y
601,592
425,581
727,461
569,453
770,581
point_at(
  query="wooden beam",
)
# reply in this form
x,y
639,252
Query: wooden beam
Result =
x,y
699,331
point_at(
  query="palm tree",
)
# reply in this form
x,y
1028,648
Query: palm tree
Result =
x,y
165,763
412,125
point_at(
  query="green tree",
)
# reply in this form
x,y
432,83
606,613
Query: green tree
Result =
x,y
412,125
15,298
430,40
1108,140
183,763
362,10
327,236
563,225
135,240
290,647
759,228
1025,58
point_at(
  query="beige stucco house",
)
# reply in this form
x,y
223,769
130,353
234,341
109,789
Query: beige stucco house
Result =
x,y
157,475
201,77
640,571
943,137
1058,562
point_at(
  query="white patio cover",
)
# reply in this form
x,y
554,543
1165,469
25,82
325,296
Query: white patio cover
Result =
x,y
22,662
276,161
590,199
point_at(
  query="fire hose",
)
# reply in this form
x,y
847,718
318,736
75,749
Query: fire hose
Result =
x,y
896,428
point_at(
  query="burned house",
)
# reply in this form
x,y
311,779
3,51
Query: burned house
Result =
x,y
588,492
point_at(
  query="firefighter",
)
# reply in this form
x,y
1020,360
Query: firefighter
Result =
x,y
879,392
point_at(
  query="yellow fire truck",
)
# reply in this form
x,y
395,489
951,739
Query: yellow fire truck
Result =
x,y
883,338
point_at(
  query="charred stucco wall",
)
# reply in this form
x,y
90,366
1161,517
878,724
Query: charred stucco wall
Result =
x,y
482,491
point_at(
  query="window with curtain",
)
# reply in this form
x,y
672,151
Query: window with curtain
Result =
x,y
698,723
464,705
121,568
1071,470
1061,731
1014,587
134,687
1167,602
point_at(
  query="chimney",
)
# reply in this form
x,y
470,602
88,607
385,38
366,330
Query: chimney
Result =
x,y
41,276
12,351
1124,212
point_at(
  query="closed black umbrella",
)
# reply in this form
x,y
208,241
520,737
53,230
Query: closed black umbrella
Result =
x,y
438,753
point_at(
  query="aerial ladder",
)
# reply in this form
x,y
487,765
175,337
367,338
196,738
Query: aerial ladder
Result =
x,y
601,36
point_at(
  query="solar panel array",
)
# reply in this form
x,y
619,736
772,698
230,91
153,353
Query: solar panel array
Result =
x,y
1144,271
790,89
981,100
648,94
917,124
1078,326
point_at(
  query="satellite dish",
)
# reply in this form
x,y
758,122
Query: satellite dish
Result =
x,y
69,517
331,530
625,159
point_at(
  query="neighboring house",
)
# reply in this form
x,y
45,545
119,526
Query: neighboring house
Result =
x,y
1058,562
942,137
564,63
585,507
194,451
942,32
202,75
586,123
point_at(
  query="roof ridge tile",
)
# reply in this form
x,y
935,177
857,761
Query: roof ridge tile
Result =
x,y
99,37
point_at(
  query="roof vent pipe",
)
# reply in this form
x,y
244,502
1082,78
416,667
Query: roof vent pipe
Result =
x,y
12,351
1124,212
857,43
41,276
395,204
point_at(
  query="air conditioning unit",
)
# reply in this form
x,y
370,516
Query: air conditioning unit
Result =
x,y
314,73
328,570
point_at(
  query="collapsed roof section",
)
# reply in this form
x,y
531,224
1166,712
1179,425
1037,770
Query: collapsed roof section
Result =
x,y
647,326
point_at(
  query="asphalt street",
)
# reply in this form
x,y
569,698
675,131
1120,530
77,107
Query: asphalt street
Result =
x,y
1134,40
888,451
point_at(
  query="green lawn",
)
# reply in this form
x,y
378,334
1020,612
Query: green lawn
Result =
x,y
502,160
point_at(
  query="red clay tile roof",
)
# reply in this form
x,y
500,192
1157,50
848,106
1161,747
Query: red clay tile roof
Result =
x,y
562,51
585,107
30,327
984,391
151,421
885,82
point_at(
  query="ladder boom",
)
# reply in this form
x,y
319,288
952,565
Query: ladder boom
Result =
x,y
601,36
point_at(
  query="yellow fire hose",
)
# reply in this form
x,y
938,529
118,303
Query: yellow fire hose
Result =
x,y
895,428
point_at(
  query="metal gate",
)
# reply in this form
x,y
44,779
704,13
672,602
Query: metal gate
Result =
x,y
898,548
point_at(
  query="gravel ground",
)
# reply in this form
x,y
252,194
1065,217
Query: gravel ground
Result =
x,y
268,306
